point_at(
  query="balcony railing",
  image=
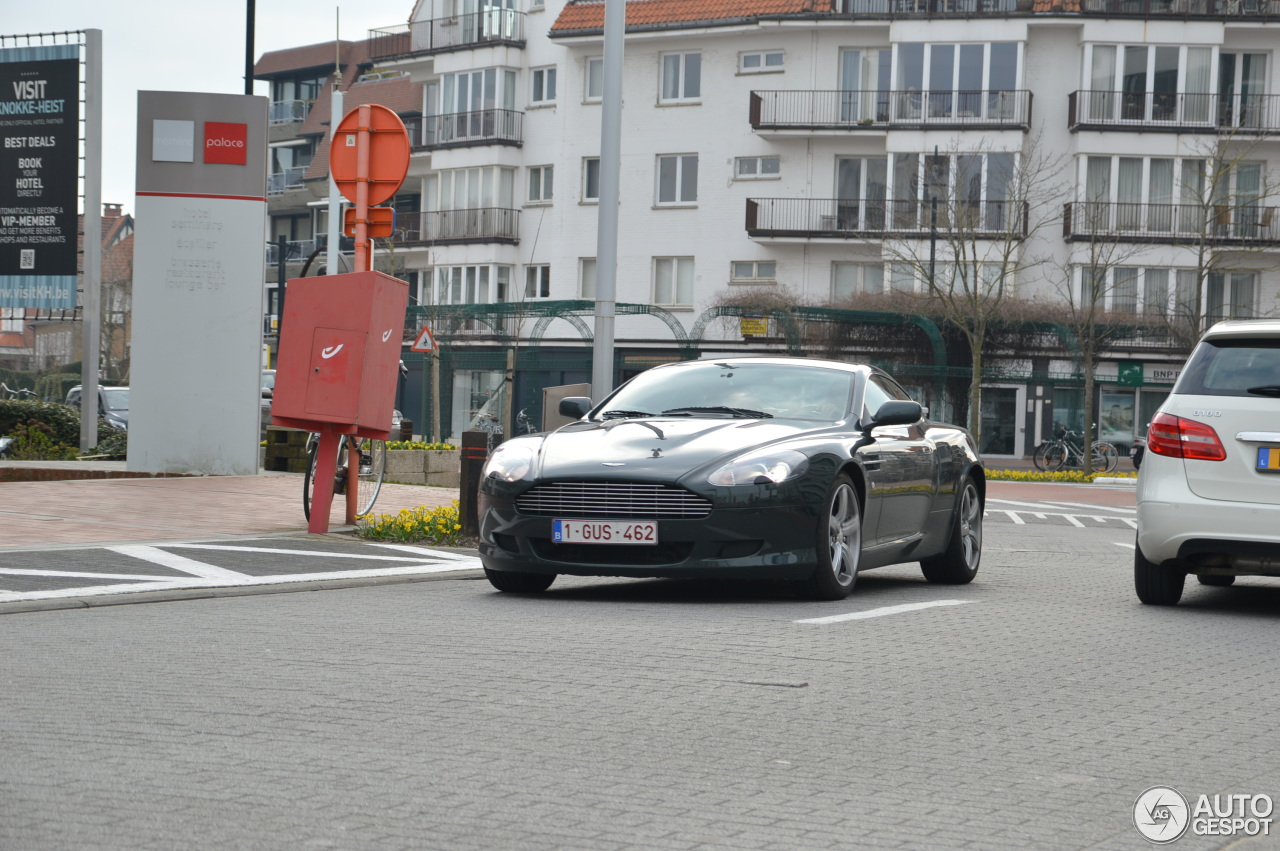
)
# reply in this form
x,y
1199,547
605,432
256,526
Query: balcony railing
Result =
x,y
1218,224
295,251
485,127
456,32
290,178
288,111
849,218
481,224
1181,112
879,110
894,8
1259,9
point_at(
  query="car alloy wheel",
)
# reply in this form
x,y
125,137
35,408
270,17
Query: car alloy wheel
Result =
x,y
844,529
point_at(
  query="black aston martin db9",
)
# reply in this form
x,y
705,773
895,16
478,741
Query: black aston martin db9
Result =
x,y
747,467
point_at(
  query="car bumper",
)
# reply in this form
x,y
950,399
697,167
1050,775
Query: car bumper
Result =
x,y
750,543
1173,522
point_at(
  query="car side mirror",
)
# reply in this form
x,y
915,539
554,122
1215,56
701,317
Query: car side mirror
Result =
x,y
575,406
897,413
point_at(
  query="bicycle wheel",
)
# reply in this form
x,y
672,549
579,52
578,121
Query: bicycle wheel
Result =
x,y
1037,457
1105,456
373,466
1055,456
308,478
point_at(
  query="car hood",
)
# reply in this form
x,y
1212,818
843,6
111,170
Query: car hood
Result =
x,y
664,448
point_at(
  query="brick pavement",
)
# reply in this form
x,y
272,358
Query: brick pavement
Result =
x,y
87,512
613,714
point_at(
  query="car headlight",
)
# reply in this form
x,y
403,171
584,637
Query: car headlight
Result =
x,y
510,462
777,465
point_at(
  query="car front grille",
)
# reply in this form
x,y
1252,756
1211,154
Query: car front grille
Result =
x,y
631,500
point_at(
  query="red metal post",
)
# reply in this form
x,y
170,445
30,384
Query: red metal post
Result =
x,y
322,484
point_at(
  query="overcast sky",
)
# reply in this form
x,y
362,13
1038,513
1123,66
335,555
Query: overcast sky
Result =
x,y
161,45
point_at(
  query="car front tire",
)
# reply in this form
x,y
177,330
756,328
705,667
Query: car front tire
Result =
x,y
839,544
1156,584
519,583
959,564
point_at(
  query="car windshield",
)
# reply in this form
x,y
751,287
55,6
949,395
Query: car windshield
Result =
x,y
117,398
738,389
1232,367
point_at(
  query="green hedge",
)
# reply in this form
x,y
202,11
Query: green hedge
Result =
x,y
64,422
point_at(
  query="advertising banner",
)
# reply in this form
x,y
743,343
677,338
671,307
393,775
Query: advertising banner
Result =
x,y
39,170
198,271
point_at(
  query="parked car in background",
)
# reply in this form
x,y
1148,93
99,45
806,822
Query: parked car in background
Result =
x,y
113,404
1209,487
741,467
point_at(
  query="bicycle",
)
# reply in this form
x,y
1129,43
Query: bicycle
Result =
x,y
373,467
16,393
1067,449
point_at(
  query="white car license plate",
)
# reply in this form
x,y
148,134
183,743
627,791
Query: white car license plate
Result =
x,y
604,531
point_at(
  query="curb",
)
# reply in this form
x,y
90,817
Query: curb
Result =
x,y
1116,481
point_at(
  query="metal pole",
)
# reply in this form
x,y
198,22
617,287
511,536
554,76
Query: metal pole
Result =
x,y
250,16
282,272
615,19
333,248
91,305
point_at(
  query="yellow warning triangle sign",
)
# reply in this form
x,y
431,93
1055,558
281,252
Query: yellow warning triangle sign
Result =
x,y
425,342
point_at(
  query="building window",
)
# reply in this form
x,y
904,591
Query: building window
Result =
x,y
1149,83
11,319
477,188
760,62
537,282
681,77
540,184
673,281
473,284
1230,295
677,179
544,86
757,168
537,5
591,179
956,80
587,278
594,90
753,272
850,279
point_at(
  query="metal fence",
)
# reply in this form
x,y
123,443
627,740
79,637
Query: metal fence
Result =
x,y
877,219
491,25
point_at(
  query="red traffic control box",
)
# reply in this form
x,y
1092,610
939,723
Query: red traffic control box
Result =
x,y
340,354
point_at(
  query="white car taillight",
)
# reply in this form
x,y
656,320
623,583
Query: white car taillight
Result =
x,y
1179,437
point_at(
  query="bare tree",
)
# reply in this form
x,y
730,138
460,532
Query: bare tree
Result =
x,y
1223,219
964,233
1097,288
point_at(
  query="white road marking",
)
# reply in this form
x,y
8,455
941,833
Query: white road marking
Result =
x,y
177,562
1013,515
1093,506
268,550
424,551
73,574
1071,518
241,580
881,612
1126,546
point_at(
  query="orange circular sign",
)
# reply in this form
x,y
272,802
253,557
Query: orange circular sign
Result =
x,y
388,143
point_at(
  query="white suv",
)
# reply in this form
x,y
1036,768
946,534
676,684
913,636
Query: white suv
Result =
x,y
1209,487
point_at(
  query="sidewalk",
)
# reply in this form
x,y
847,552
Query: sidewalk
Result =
x,y
92,512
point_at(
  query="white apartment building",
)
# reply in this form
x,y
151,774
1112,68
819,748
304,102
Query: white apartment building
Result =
x,y
799,146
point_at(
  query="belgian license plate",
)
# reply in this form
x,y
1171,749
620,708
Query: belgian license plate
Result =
x,y
1269,459
604,531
